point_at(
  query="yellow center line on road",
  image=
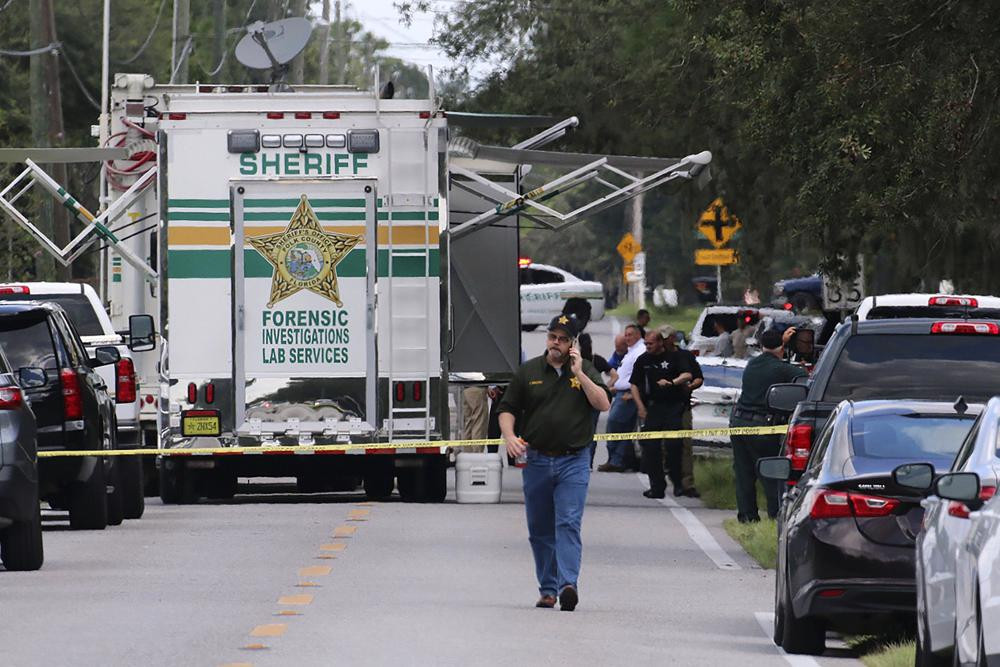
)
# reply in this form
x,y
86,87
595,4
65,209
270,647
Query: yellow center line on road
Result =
x,y
269,630
307,584
315,571
288,612
237,664
305,598
345,531
254,647
333,546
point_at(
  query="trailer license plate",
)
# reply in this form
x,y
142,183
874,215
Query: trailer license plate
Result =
x,y
200,422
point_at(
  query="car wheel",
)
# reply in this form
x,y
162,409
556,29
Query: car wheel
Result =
x,y
21,543
800,635
116,509
133,486
88,501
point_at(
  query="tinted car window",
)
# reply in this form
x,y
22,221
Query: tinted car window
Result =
x,y
71,341
908,366
541,277
819,451
931,438
968,446
77,306
27,343
723,376
940,312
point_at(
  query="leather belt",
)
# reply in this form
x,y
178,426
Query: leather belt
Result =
x,y
752,415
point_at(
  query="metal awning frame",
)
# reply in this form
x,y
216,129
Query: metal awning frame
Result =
x,y
95,227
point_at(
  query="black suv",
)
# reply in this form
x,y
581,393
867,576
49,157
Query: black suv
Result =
x,y
919,358
72,409
20,515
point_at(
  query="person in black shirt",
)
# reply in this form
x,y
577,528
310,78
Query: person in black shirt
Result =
x,y
659,388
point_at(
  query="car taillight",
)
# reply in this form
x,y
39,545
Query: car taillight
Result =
x,y
798,442
959,509
72,398
149,399
788,306
418,391
829,504
953,301
400,392
176,116
15,289
125,385
192,392
210,392
10,398
976,328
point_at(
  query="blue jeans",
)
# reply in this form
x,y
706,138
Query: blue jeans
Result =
x,y
555,491
621,419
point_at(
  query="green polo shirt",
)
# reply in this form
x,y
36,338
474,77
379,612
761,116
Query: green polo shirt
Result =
x,y
761,372
552,410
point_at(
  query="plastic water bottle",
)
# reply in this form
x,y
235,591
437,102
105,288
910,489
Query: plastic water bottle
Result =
x,y
521,460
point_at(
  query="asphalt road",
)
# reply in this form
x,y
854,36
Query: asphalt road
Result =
x,y
275,579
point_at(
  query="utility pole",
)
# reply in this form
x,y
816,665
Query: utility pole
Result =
x,y
218,36
324,49
180,54
300,8
639,287
47,122
342,48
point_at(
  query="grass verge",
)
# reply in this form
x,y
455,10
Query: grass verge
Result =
x,y
714,478
759,539
681,318
878,652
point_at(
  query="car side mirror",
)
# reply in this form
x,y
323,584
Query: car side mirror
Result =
x,y
30,377
785,397
778,468
960,486
104,355
141,333
917,476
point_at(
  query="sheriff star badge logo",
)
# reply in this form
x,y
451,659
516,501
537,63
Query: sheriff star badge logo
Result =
x,y
304,256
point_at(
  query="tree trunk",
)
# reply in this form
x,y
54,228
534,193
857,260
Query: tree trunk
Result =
x,y
324,49
181,56
219,36
298,70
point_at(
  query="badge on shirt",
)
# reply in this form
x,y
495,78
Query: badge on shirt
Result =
x,y
574,383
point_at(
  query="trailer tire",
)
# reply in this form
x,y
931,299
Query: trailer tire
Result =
x,y
436,479
21,543
116,506
379,478
133,487
150,478
88,501
176,485
425,483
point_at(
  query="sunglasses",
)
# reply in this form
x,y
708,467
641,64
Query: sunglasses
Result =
x,y
560,339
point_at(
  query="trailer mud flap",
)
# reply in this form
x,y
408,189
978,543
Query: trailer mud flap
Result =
x,y
304,286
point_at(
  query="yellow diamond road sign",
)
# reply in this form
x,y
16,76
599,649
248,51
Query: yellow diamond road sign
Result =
x,y
715,257
717,224
628,247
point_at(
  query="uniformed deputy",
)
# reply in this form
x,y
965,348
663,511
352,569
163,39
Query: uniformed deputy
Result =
x,y
751,410
555,395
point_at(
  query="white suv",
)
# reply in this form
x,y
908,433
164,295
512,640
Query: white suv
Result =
x,y
938,306
546,291
84,309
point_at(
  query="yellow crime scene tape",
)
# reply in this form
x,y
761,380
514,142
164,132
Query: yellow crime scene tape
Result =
x,y
406,444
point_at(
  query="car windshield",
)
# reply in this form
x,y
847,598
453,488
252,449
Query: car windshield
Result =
x,y
932,366
933,439
77,306
730,377
27,342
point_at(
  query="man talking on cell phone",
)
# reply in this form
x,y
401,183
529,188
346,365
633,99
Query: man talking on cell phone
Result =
x,y
555,396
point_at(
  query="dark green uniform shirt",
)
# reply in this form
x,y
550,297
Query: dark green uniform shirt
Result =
x,y
761,372
553,413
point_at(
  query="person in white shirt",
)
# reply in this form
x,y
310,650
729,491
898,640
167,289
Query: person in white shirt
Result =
x,y
623,414
723,342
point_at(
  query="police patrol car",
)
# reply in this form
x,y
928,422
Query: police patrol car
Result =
x,y
547,291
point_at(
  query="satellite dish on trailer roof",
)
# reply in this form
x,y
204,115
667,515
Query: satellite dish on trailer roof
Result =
x,y
273,45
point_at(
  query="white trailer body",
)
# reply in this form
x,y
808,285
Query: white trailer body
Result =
x,y
299,291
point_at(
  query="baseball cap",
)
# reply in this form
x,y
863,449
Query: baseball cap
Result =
x,y
770,340
565,322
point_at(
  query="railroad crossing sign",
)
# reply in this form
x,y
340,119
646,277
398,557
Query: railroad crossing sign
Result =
x,y
718,225
628,247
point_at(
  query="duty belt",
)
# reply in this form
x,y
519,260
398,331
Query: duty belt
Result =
x,y
751,415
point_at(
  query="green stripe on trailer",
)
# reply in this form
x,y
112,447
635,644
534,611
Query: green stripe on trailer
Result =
x,y
193,264
174,216
198,203
293,203
253,216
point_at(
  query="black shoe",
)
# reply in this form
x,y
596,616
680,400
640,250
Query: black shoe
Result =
x,y
649,493
692,492
678,492
546,602
568,599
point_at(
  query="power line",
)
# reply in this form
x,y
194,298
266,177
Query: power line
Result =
x,y
6,5
149,37
53,47
76,77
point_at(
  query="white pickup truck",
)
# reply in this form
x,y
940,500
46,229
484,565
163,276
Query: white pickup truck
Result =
x,y
85,311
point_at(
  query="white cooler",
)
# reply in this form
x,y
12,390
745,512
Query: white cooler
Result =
x,y
477,477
